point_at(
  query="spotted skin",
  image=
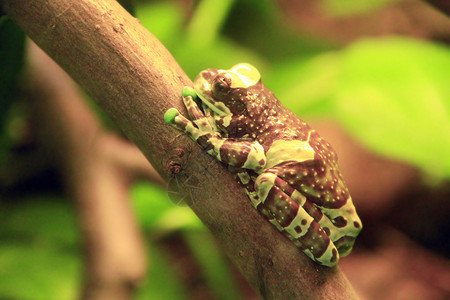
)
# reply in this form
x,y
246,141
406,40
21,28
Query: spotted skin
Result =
x,y
288,171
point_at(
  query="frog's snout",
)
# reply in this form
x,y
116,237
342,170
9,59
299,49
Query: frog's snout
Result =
x,y
204,79
207,74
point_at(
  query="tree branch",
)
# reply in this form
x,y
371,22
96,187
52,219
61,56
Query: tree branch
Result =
x,y
442,5
99,186
135,80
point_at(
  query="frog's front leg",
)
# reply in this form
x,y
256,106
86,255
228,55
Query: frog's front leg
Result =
x,y
296,218
240,154
204,122
201,128
235,152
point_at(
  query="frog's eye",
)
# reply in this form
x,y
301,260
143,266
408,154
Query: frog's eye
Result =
x,y
222,83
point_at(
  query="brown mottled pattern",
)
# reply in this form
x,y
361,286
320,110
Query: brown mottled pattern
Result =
x,y
284,186
315,240
263,210
315,181
282,207
257,115
235,153
204,142
194,110
264,119
313,211
339,221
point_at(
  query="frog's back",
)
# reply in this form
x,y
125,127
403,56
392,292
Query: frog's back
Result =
x,y
326,180
316,176
309,164
300,156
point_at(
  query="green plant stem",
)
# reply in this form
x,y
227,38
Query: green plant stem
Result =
x,y
207,21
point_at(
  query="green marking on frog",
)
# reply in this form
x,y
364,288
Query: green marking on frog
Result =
x,y
288,171
188,91
170,115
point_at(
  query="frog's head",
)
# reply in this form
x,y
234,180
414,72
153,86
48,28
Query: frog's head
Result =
x,y
229,94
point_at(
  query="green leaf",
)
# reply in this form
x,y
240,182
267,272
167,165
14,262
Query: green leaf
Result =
x,y
162,282
39,252
307,87
149,202
394,95
35,218
178,218
35,272
156,211
163,20
207,21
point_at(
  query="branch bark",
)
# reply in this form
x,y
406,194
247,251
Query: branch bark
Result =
x,y
130,74
442,5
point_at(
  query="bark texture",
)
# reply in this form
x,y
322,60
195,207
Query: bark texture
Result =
x,y
135,80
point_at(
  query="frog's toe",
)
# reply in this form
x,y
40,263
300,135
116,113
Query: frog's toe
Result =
x,y
345,245
330,257
170,115
188,91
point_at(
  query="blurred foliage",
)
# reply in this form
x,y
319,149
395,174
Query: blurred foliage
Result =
x,y
161,213
129,5
346,7
392,94
11,53
12,42
39,252
161,218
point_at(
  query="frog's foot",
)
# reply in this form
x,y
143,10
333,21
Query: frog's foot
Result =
x,y
345,226
203,121
301,221
211,142
174,118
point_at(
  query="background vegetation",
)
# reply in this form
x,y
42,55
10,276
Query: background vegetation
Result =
x,y
388,90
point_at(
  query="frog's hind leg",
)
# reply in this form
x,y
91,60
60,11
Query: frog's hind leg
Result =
x,y
296,219
341,230
246,179
344,230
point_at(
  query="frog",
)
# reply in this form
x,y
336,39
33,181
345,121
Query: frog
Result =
x,y
288,171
